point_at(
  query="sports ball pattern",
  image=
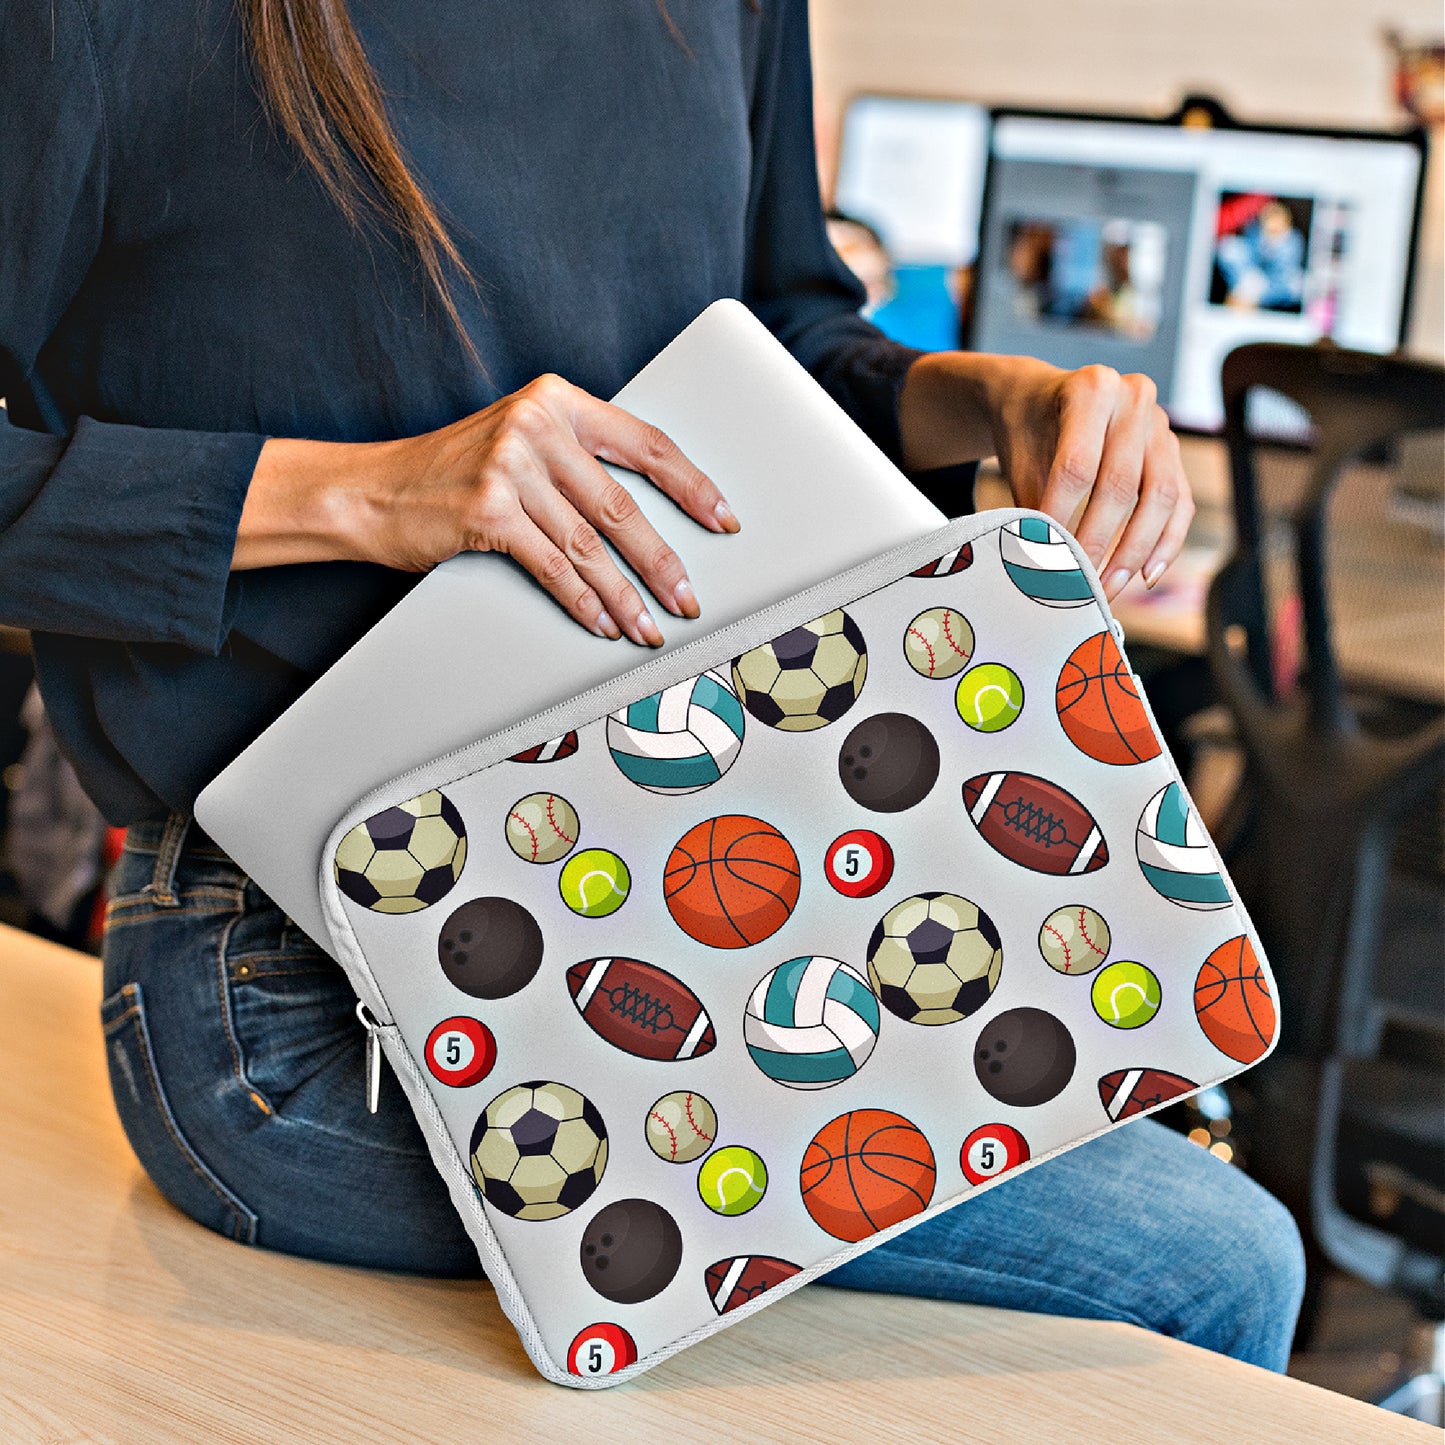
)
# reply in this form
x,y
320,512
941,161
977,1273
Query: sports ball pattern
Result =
x,y
1233,1002
731,882
1025,1057
1074,939
1035,823
888,763
811,1023
866,1170
991,1150
733,1282
641,1009
682,739
1099,707
601,1349
460,1052
873,1056
807,678
1042,565
938,643
542,827
1126,995
681,1127
1175,854
490,948
631,1250
935,958
1127,1092
732,1180
549,752
859,863
405,858
948,564
594,883
989,697
538,1150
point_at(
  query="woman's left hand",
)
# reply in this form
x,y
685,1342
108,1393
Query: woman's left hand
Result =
x,y
1090,445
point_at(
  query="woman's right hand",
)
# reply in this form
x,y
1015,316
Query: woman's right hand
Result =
x,y
520,477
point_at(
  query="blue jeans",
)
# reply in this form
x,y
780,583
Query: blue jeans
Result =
x,y
237,1065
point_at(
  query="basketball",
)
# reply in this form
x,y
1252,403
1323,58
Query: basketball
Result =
x,y
865,1171
731,882
1233,1003
1099,706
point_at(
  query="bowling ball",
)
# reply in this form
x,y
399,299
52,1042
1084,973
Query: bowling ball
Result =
x,y
1024,1057
631,1251
490,948
888,762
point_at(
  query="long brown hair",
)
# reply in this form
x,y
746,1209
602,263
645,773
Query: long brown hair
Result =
x,y
322,92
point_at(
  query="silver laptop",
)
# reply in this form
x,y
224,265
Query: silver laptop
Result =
x,y
477,645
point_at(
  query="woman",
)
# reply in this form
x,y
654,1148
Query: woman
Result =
x,y
267,361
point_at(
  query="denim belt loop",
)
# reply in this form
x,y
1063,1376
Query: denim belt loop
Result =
x,y
162,887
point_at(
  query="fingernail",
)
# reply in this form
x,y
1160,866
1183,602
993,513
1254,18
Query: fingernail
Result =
x,y
1154,573
1114,582
607,628
648,630
727,520
686,599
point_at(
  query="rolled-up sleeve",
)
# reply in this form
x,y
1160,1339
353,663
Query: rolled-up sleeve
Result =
x,y
795,282
107,531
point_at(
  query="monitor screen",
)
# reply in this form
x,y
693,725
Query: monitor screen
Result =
x,y
911,171
1159,249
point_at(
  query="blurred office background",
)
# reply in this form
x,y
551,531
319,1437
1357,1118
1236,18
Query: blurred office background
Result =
x,y
1307,711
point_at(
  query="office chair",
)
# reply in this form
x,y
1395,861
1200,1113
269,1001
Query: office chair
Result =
x,y
1321,631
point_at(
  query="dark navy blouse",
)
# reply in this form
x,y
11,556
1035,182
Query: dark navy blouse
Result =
x,y
175,287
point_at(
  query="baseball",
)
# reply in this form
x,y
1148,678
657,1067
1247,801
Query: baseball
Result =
x,y
541,828
939,642
1074,939
681,1127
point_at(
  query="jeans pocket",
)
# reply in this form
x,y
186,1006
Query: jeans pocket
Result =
x,y
151,1125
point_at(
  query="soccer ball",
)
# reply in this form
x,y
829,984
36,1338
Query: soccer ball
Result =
x,y
404,859
679,740
538,1151
807,678
935,958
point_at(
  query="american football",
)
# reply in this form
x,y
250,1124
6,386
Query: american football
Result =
x,y
945,566
641,1009
733,1282
548,752
1035,823
1127,1092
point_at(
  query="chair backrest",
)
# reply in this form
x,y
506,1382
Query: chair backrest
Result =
x,y
1327,641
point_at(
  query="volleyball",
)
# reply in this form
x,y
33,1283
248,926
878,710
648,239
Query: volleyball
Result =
x,y
1174,853
679,740
811,1023
1042,565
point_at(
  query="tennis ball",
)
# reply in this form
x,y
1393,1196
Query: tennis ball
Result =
x,y
594,883
732,1180
989,697
1126,995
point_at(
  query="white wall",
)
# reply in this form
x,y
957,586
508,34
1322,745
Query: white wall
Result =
x,y
1298,61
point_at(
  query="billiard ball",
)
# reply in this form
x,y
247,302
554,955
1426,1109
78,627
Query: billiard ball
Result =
x,y
601,1349
460,1052
858,863
1024,1057
991,1149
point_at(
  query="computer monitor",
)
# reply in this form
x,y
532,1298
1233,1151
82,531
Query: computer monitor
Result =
x,y
911,170
1158,248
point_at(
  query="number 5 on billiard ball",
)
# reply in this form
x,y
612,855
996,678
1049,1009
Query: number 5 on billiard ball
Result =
x,y
858,863
990,1150
460,1052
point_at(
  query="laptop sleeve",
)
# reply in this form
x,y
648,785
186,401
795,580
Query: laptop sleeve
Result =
x,y
782,943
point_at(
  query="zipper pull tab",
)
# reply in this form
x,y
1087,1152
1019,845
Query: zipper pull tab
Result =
x,y
373,1057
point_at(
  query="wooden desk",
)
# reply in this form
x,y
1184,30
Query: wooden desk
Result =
x,y
121,1321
